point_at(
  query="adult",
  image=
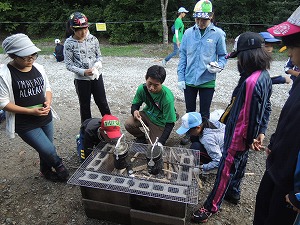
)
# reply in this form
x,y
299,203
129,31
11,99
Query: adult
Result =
x,y
278,196
177,37
25,95
246,124
202,55
158,114
83,58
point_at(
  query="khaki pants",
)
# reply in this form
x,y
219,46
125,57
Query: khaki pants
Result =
x,y
133,127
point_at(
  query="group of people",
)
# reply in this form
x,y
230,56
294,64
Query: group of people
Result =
x,y
25,95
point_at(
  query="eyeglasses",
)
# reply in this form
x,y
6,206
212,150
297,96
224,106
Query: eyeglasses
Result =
x,y
30,57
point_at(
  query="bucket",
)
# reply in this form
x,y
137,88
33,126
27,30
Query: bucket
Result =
x,y
157,159
120,155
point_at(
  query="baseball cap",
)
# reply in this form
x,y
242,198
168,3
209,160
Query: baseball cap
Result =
x,y
56,41
20,45
188,121
203,9
182,10
291,26
78,20
111,125
246,41
269,37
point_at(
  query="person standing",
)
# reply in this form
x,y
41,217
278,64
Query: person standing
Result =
x,y
246,124
202,55
278,196
25,95
83,58
177,37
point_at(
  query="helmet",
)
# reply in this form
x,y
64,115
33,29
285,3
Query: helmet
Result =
x,y
203,9
78,20
56,41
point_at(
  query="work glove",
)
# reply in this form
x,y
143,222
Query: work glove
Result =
x,y
181,85
213,67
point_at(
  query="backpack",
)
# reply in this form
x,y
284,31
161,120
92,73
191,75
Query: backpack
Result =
x,y
173,29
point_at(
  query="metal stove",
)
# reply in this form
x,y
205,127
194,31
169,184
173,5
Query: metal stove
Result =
x,y
139,192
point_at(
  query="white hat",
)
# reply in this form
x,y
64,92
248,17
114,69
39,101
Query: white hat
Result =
x,y
57,41
20,45
182,10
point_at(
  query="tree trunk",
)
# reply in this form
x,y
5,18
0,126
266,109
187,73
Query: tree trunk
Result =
x,y
164,6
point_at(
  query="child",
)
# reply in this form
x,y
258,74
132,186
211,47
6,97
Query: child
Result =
x,y
83,58
278,196
246,124
28,114
59,51
159,112
270,40
96,131
210,138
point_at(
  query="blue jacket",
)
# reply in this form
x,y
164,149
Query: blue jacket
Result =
x,y
197,51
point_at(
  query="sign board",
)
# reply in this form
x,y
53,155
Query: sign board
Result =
x,y
100,26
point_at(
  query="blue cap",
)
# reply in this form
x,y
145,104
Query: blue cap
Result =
x,y
188,121
269,37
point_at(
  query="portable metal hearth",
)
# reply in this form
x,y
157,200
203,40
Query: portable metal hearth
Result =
x,y
138,183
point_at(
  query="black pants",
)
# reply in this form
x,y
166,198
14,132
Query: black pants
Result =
x,y
84,90
271,207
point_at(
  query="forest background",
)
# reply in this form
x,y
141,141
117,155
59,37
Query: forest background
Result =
x,y
136,21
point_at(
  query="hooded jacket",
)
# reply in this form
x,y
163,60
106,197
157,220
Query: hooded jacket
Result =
x,y
213,141
80,56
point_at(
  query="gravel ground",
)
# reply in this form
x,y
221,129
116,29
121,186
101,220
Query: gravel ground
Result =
x,y
26,198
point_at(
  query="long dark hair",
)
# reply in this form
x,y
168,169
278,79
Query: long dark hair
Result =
x,y
252,60
69,31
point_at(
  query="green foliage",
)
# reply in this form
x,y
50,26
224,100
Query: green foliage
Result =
x,y
136,21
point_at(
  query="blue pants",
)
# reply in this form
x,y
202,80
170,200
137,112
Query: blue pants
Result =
x,y
205,98
84,90
174,53
41,139
228,180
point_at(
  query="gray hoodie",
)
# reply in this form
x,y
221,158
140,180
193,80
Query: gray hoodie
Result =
x,y
80,56
213,141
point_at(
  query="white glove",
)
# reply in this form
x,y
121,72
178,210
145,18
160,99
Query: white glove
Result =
x,y
213,67
181,85
98,65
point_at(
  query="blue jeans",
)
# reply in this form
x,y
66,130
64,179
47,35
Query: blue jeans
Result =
x,y
41,139
174,53
205,98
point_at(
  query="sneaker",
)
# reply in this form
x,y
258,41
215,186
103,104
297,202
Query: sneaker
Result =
x,y
185,140
164,63
201,215
141,140
232,198
62,172
50,175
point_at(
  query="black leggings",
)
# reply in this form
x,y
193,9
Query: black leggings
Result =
x,y
84,90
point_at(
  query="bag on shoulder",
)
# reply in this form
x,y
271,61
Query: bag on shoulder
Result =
x,y
173,29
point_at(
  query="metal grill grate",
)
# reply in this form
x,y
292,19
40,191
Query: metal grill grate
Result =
x,y
176,181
